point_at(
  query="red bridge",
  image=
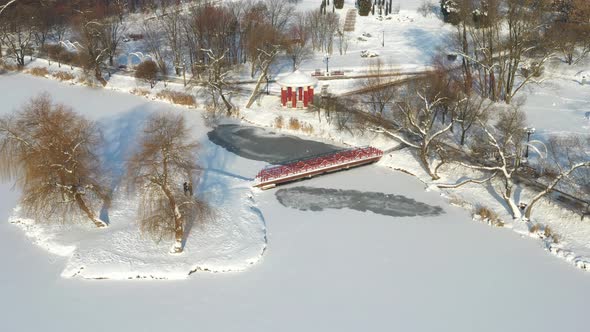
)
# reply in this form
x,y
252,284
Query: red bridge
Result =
x,y
306,168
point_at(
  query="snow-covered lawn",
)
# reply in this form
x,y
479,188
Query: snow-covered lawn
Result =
x,y
408,42
559,105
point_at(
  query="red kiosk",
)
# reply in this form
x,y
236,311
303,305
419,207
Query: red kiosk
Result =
x,y
297,89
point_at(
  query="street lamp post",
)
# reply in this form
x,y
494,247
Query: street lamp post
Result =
x,y
529,132
327,59
184,72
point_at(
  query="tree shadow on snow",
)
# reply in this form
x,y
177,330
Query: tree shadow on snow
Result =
x,y
417,38
120,133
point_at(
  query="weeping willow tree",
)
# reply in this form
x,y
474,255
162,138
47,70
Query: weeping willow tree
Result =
x,y
163,171
48,151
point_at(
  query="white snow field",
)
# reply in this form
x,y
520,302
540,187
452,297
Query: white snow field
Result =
x,y
559,105
408,41
334,270
234,241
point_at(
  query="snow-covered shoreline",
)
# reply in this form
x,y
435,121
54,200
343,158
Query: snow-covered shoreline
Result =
x,y
340,269
574,234
573,247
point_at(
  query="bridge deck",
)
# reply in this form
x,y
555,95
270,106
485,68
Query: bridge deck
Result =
x,y
306,168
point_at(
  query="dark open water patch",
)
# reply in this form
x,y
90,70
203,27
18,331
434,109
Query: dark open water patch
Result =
x,y
265,145
318,199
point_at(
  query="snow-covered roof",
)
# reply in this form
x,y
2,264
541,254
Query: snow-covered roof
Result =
x,y
297,79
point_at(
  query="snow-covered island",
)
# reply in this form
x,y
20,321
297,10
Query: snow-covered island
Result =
x,y
134,136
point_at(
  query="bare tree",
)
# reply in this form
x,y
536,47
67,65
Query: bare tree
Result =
x,y
154,43
279,13
570,34
170,23
500,45
343,39
499,150
569,163
218,70
16,30
113,32
377,86
473,110
90,29
165,160
420,129
322,29
272,44
49,151
44,20
297,42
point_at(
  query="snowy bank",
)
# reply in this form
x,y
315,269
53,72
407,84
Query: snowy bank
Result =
x,y
234,240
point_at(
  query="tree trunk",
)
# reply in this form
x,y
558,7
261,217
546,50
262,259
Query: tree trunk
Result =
x,y
426,164
98,75
257,87
226,102
178,221
507,195
463,134
91,215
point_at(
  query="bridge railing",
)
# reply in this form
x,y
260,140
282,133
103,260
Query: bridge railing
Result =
x,y
303,166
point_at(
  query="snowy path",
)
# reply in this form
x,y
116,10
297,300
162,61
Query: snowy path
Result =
x,y
335,270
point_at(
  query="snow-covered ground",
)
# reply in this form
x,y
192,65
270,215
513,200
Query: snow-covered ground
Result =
x,y
233,241
335,269
332,270
559,105
341,269
407,41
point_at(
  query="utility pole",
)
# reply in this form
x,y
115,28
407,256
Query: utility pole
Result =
x,y
529,132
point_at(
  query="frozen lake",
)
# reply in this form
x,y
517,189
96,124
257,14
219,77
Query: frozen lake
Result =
x,y
330,270
266,145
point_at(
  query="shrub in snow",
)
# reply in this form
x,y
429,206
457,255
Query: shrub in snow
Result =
x,y
176,97
294,124
450,11
140,92
489,216
63,76
544,232
39,71
147,71
279,122
364,7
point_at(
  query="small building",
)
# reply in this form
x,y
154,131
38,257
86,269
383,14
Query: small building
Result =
x,y
297,89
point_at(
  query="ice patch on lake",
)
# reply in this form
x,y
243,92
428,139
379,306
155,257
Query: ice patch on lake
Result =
x,y
318,199
264,145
